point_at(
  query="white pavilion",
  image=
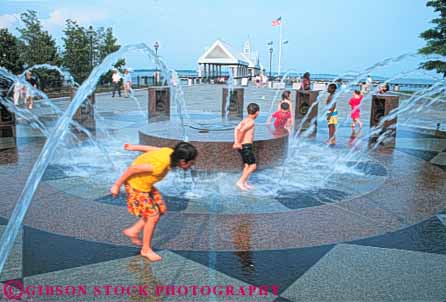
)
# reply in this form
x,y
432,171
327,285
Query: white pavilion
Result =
x,y
220,55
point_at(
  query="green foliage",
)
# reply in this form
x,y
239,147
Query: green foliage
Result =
x,y
85,48
47,78
435,38
107,45
36,45
77,50
82,50
9,52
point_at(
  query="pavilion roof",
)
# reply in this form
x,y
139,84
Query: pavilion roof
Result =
x,y
223,53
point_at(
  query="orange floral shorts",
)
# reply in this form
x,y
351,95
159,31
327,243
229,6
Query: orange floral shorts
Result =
x,y
145,204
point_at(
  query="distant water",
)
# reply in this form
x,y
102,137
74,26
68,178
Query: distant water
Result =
x,y
316,77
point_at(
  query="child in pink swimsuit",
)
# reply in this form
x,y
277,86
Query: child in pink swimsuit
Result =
x,y
282,117
355,103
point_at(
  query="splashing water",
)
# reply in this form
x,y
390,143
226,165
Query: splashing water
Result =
x,y
309,166
34,119
230,88
62,126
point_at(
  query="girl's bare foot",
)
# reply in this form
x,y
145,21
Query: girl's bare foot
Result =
x,y
133,237
151,255
248,186
241,186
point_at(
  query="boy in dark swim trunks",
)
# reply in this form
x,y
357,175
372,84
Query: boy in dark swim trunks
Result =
x,y
243,141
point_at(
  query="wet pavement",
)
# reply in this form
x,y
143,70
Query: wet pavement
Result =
x,y
379,238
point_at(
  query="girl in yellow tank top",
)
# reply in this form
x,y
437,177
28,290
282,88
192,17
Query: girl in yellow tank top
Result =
x,y
143,199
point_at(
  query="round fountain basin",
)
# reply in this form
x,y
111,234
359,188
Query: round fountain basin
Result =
x,y
214,143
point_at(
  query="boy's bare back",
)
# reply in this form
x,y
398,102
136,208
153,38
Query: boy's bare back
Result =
x,y
244,132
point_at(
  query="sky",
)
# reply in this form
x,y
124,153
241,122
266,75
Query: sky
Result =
x,y
325,36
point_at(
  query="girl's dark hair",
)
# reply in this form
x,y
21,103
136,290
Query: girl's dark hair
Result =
x,y
182,151
286,95
306,75
284,106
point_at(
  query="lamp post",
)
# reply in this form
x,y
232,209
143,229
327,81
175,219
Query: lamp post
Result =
x,y
156,46
270,60
90,34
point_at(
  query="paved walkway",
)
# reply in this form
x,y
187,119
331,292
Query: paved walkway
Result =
x,y
362,241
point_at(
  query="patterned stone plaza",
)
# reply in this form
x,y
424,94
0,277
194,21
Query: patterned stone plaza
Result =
x,y
380,239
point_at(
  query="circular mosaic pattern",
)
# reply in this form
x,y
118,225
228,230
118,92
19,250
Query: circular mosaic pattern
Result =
x,y
208,197
405,196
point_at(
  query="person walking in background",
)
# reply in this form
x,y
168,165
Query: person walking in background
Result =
x,y
264,79
306,82
258,81
369,83
29,91
127,83
116,82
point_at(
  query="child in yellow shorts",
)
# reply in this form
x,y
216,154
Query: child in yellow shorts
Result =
x,y
332,115
143,199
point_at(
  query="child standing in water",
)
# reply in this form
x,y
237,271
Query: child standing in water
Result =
x,y
355,103
332,115
143,199
243,141
286,98
282,117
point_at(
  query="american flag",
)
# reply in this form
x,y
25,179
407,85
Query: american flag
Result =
x,y
277,21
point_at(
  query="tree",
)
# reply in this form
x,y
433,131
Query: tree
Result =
x,y
38,47
85,48
107,45
436,38
10,53
76,53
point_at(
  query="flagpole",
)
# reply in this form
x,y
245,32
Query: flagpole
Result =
x,y
280,45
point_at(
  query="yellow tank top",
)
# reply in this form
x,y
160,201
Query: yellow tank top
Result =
x,y
159,160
